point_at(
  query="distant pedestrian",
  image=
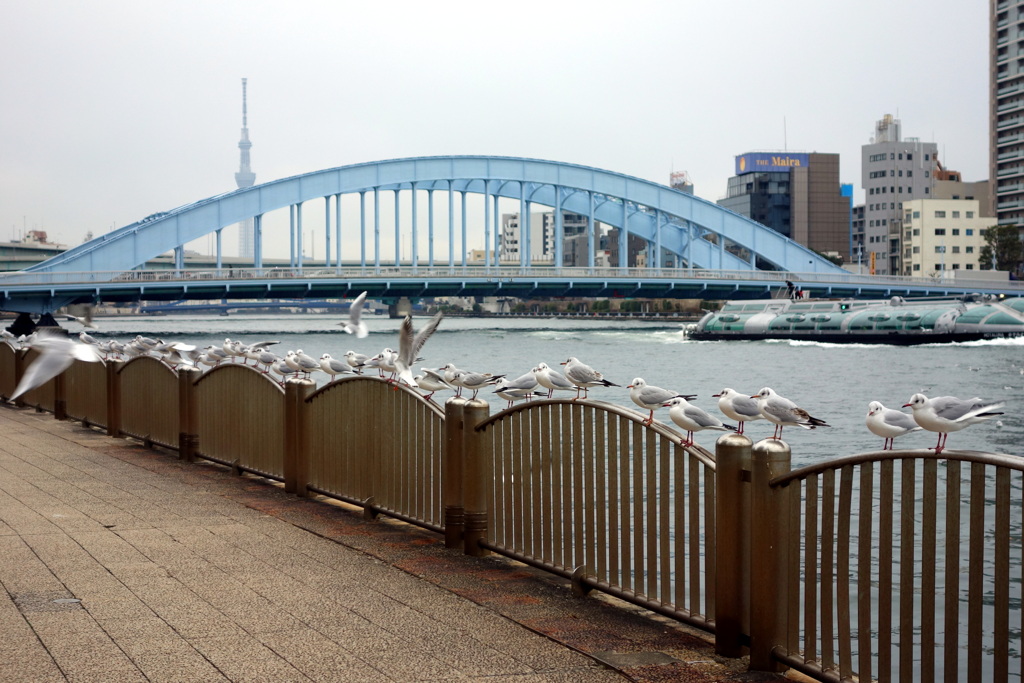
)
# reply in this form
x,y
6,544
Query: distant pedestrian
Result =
x,y
790,289
799,294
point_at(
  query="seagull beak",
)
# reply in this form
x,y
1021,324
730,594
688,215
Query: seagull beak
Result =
x,y
716,395
907,405
754,396
630,386
563,362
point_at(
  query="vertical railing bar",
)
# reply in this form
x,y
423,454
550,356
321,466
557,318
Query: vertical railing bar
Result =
x,y
525,479
557,485
793,608
601,495
650,492
828,634
707,532
908,481
812,576
625,528
590,416
613,458
545,435
951,575
665,524
568,451
928,595
885,509
1001,625
578,455
511,483
637,526
681,556
843,570
864,556
693,524
976,573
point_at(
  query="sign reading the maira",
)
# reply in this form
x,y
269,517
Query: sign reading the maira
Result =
x,y
774,162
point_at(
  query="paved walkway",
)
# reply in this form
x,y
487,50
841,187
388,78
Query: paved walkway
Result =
x,y
119,563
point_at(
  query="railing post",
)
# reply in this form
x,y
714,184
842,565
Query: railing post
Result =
x,y
476,477
451,473
113,368
732,544
769,552
188,440
60,394
296,435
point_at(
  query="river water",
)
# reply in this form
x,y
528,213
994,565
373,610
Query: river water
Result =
x,y
834,382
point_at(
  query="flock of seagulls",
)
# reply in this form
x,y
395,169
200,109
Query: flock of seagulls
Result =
x,y
942,414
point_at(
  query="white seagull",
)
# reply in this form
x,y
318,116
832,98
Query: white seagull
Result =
x,y
693,419
552,380
430,381
584,376
945,414
737,406
650,397
409,345
333,366
355,325
888,423
56,354
781,412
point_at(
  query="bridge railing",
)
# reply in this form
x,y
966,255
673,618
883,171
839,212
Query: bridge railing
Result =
x,y
881,566
14,280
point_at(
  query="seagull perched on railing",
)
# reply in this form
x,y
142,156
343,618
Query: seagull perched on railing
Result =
x,y
584,376
739,407
56,354
432,381
552,380
693,419
945,414
333,366
355,325
888,423
650,397
356,361
781,412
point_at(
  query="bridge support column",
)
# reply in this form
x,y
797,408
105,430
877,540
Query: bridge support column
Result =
x,y
400,308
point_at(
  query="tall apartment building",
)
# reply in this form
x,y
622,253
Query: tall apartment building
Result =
x,y
893,170
798,195
1006,110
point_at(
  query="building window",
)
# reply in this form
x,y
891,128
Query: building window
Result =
x,y
970,214
956,250
926,159
956,214
917,266
940,214
910,174
956,231
917,250
940,231
940,250
892,174
938,266
956,266
926,191
910,157
901,170
969,250
917,214
892,156
926,172
970,266
917,231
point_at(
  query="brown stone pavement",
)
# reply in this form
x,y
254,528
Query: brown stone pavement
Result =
x,y
120,563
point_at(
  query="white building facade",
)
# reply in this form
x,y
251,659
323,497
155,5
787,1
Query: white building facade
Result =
x,y
942,235
542,236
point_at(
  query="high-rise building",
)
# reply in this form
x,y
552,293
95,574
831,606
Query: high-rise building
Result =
x,y
542,237
245,178
798,195
893,170
1006,110
943,235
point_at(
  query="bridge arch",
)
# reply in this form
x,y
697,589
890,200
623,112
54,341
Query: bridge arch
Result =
x,y
697,232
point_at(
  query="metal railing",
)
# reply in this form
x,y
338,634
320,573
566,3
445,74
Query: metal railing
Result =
x,y
14,280
880,566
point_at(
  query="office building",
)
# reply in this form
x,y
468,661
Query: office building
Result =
x,y
1006,110
797,195
542,237
893,170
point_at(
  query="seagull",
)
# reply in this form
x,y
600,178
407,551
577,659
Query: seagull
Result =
x,y
650,397
356,361
85,320
409,345
86,338
693,419
781,411
430,381
354,325
56,354
474,381
552,380
945,414
888,423
513,394
737,406
584,376
333,366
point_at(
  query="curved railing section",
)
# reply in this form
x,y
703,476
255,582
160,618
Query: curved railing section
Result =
x,y
85,392
911,567
238,419
377,444
8,369
589,492
150,408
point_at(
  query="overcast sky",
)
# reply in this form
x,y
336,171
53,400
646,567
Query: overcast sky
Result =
x,y
113,110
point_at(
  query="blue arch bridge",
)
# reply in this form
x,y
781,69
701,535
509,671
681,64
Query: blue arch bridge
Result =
x,y
694,248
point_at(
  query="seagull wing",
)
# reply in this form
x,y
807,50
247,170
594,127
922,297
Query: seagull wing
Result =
x,y
355,325
55,356
423,335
